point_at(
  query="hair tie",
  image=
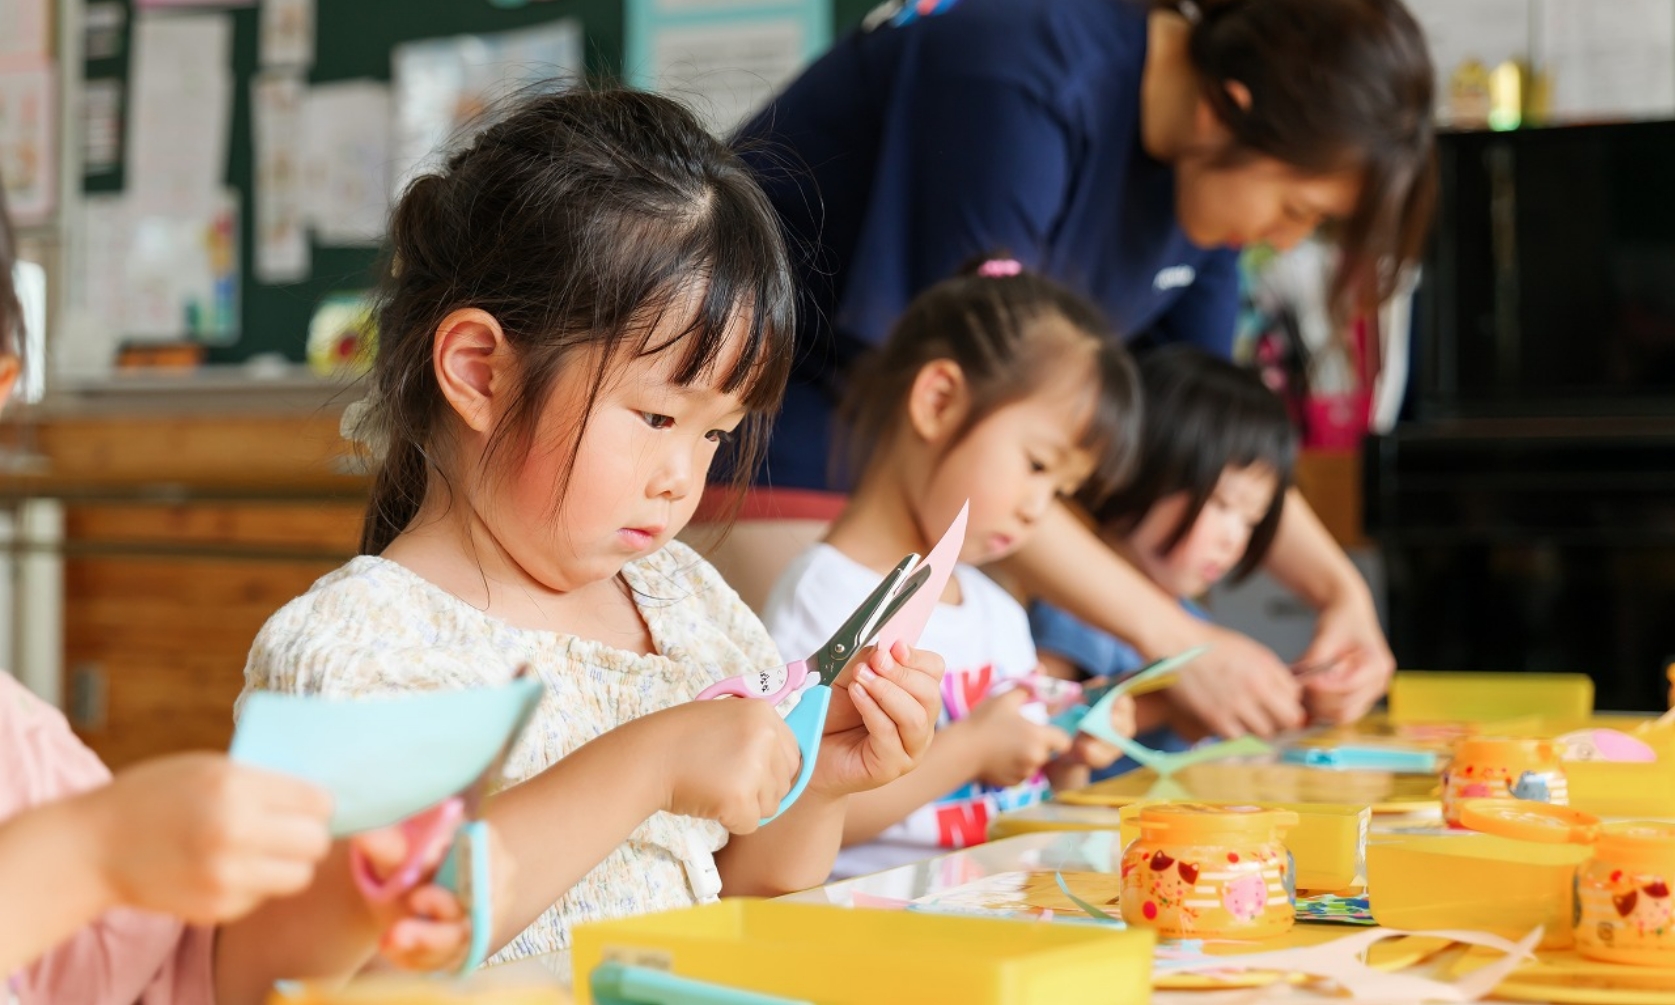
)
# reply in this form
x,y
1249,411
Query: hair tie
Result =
x,y
997,268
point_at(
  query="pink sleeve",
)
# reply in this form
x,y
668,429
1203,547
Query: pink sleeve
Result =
x,y
125,956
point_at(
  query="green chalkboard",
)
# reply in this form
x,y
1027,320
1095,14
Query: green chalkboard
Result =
x,y
353,40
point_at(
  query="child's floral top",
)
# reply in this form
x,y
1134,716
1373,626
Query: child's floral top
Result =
x,y
374,627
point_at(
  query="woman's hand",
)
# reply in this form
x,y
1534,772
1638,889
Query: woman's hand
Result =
x,y
883,715
1347,637
1238,687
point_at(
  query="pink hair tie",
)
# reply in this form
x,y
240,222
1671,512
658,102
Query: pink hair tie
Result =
x,y
996,268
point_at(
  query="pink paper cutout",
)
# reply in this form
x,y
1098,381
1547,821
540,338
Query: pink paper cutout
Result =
x,y
909,622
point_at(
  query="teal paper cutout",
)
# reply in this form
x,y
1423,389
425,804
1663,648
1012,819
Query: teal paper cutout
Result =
x,y
383,759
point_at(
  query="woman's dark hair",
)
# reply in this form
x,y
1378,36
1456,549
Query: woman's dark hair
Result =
x,y
1203,415
580,220
1334,85
1011,335
11,312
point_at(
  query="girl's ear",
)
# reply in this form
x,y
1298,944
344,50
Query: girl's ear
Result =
x,y
938,400
1209,132
472,359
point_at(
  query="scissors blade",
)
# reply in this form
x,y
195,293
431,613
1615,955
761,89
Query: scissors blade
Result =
x,y
860,627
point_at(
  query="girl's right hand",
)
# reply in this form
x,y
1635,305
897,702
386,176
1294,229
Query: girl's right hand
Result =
x,y
205,839
1012,749
730,760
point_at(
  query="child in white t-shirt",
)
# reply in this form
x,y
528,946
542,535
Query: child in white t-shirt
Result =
x,y
1001,388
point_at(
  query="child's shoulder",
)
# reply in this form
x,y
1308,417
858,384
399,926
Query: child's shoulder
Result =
x,y
820,576
369,601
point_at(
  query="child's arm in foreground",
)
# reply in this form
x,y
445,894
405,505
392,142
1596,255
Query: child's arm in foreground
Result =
x,y
193,835
878,729
730,761
330,931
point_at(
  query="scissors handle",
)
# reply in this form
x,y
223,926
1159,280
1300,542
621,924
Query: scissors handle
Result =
x,y
467,872
427,834
808,724
774,684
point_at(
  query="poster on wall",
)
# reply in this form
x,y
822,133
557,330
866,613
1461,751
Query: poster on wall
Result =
x,y
151,274
346,162
281,245
443,85
723,57
27,156
179,110
24,30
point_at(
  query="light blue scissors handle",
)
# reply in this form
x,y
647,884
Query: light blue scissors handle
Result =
x,y
467,872
808,724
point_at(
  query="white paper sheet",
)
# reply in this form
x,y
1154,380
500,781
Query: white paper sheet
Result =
x,y
726,72
101,126
443,85
180,98
1608,59
103,22
1487,31
347,161
287,33
281,245
723,57
28,157
145,274
23,29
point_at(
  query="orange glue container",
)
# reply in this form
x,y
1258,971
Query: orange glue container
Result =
x,y
1621,909
1488,767
1201,871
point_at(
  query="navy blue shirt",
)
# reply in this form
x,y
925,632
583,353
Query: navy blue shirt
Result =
x,y
999,124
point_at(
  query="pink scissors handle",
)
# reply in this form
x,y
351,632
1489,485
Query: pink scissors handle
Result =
x,y
774,684
428,834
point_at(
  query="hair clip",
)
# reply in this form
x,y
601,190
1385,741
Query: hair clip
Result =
x,y
997,268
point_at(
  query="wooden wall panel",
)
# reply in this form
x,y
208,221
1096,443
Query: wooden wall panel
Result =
x,y
157,630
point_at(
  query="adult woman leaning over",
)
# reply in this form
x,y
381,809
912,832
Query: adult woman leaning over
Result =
x,y
1129,150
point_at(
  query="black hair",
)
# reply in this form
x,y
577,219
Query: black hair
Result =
x,y
11,312
1203,415
1334,85
578,220
1010,331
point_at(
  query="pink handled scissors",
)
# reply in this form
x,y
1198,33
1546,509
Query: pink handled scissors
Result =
x,y
808,719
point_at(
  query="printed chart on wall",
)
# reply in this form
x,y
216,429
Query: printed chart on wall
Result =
x,y
27,110
443,85
724,57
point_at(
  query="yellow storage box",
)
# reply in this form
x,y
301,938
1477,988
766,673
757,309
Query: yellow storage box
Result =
x,y
1473,881
838,955
1436,696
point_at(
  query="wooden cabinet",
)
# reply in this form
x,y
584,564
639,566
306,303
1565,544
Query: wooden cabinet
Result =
x,y
182,534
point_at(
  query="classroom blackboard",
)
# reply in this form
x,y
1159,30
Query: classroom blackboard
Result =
x,y
353,40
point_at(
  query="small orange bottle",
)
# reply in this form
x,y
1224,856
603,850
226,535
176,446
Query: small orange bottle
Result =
x,y
1200,871
1486,767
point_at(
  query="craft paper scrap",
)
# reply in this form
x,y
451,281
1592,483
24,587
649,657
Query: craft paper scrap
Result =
x,y
909,622
1166,764
1340,961
383,759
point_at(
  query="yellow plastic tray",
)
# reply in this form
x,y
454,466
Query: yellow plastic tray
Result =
x,y
1474,881
1292,784
841,955
1563,976
1435,696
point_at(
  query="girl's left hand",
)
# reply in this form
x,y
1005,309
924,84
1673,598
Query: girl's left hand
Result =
x,y
425,928
883,715
1347,635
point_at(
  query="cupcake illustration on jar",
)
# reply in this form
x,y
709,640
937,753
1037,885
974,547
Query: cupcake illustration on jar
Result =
x,y
1208,871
